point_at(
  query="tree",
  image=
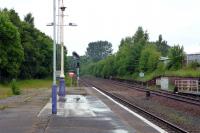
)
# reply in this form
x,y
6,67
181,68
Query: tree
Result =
x,y
162,46
14,17
126,41
37,51
149,58
98,50
29,19
140,35
10,48
25,51
108,68
130,54
176,56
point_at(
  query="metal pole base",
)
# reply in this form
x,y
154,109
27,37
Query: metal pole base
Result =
x,y
62,91
54,99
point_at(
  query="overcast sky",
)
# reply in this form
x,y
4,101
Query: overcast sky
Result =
x,y
177,20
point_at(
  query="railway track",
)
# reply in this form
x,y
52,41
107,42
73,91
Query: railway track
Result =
x,y
185,99
169,126
141,85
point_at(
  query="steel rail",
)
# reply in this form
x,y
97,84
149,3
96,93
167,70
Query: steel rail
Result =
x,y
180,98
130,105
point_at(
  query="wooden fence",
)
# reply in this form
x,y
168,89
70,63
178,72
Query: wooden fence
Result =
x,y
188,86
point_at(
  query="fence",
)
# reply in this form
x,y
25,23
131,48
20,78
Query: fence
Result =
x,y
188,86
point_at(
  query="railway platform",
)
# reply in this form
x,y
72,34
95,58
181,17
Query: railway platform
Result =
x,y
87,110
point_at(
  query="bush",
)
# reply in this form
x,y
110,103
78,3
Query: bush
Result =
x,y
161,67
15,87
194,65
69,82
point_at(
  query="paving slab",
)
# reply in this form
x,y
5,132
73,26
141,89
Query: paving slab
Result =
x,y
20,114
131,120
84,111
83,114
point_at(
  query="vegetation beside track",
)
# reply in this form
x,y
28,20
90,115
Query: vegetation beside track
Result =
x,y
26,52
6,91
184,72
137,55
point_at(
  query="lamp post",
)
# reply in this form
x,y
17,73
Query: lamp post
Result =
x,y
62,91
54,86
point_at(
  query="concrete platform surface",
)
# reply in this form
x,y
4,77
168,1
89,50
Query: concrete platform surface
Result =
x,y
85,110
83,114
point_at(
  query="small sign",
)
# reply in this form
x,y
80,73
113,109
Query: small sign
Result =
x,y
141,74
71,74
164,83
158,81
57,74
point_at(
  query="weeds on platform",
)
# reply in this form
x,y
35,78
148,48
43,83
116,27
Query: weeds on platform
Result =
x,y
70,82
35,83
2,107
15,88
8,89
5,91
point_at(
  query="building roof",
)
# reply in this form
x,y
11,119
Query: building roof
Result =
x,y
163,58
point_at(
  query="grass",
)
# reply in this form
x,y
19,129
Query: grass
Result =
x,y
185,72
2,107
148,76
70,82
34,83
178,118
5,89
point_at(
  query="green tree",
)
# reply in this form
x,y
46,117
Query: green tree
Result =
x,y
140,35
11,51
149,58
98,50
29,19
36,48
108,68
129,52
37,51
14,17
162,46
176,56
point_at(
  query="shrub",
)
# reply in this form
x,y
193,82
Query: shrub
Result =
x,y
161,67
194,65
15,87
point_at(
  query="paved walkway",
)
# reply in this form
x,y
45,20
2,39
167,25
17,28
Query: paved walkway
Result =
x,y
84,114
20,114
84,111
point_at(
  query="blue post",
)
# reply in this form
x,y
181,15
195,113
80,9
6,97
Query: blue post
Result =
x,y
62,91
54,99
